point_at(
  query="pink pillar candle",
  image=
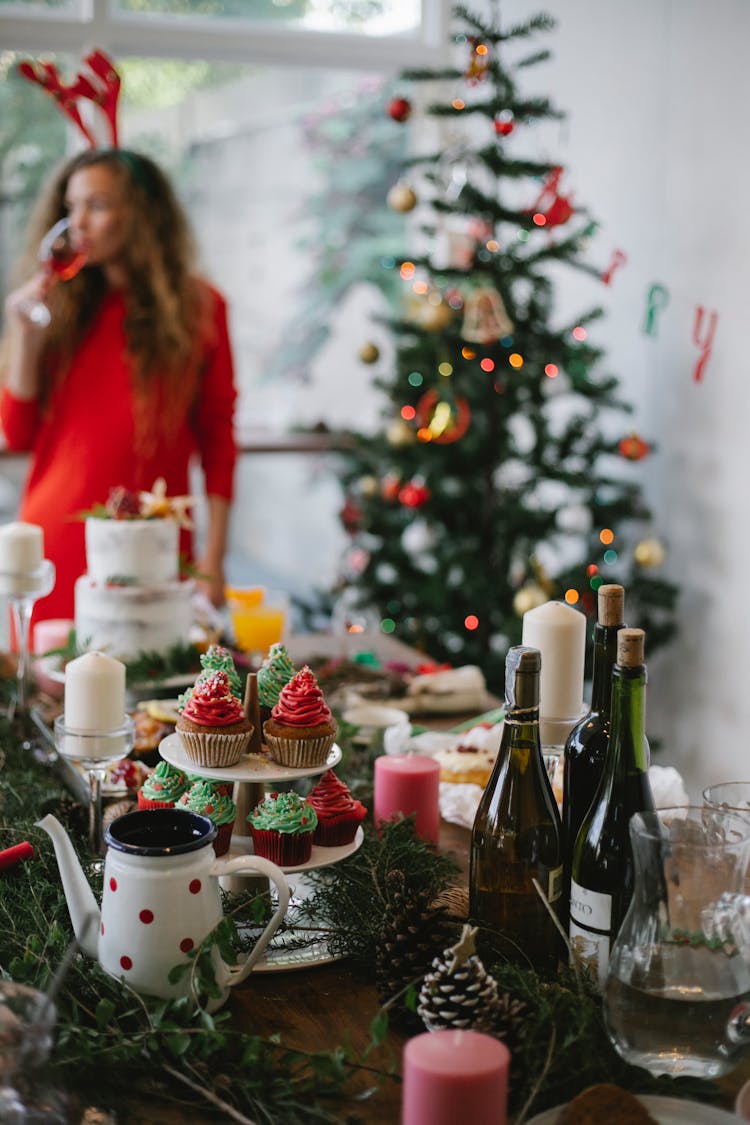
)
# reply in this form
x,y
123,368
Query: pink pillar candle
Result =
x,y
452,1076
408,785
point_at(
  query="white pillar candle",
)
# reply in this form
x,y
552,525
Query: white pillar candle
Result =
x,y
21,548
559,632
94,693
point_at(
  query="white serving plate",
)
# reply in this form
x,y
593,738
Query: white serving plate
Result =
x,y
667,1111
251,767
320,857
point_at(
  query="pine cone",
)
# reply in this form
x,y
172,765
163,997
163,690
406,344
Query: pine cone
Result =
x,y
465,998
414,931
510,1019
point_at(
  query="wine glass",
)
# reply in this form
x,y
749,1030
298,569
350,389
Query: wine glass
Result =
x,y
95,750
27,1018
61,260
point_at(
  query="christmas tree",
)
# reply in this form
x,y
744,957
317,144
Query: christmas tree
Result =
x,y
503,474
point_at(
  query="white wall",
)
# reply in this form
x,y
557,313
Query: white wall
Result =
x,y
657,94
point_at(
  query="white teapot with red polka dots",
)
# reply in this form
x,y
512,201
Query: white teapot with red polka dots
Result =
x,y
161,898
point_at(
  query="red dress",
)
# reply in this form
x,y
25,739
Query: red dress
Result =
x,y
83,442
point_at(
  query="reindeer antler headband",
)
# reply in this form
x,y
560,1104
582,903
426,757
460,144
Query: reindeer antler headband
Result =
x,y
97,82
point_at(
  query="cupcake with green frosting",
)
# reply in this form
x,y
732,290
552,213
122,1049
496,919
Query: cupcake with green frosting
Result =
x,y
162,788
274,673
282,828
203,797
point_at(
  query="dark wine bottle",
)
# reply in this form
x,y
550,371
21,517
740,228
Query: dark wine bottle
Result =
x,y
602,873
586,745
517,833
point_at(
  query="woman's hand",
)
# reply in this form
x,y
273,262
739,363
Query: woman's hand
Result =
x,y
211,581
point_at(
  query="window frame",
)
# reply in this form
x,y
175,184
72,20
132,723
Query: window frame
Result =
x,y
89,23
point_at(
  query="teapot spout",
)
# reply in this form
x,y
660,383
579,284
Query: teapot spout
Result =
x,y
78,894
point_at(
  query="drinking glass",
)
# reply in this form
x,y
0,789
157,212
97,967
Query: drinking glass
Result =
x,y
732,796
258,618
61,260
94,750
676,996
22,591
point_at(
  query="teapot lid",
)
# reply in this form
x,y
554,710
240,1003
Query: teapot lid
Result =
x,y
160,832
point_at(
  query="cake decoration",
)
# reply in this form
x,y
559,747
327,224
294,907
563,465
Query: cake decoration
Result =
x,y
301,729
339,815
274,673
301,702
211,702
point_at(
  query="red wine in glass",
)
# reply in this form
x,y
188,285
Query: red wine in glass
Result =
x,y
61,261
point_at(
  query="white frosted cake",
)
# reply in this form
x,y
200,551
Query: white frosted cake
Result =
x,y
131,600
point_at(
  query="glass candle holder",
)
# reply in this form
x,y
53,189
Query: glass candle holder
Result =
x,y
94,750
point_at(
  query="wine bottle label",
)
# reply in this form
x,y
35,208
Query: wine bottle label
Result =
x,y
590,929
554,883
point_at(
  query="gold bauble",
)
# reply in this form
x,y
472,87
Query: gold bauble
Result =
x,y
399,434
434,317
401,198
369,352
368,486
529,597
649,553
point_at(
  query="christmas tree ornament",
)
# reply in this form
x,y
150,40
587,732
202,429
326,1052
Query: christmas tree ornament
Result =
x,y
418,537
529,597
351,516
504,123
401,198
619,258
368,486
703,340
399,109
458,992
440,420
415,929
414,494
369,352
633,447
551,209
575,519
479,61
485,316
429,311
390,486
399,434
649,553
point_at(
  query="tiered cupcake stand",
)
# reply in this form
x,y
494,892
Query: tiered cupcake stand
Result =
x,y
253,777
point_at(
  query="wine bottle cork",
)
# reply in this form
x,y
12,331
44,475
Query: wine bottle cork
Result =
x,y
522,667
630,647
611,604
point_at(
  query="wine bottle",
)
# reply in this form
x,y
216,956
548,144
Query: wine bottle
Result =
x,y
586,745
602,873
517,833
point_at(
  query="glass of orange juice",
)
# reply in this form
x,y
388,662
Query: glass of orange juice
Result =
x,y
258,618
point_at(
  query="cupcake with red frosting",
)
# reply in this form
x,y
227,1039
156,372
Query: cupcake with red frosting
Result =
x,y
339,815
301,729
212,726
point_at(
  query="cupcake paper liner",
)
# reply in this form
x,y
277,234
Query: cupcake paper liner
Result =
x,y
339,830
300,753
146,803
221,843
214,750
286,849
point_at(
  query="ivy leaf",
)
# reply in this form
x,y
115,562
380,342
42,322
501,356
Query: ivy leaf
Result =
x,y
379,1028
105,1010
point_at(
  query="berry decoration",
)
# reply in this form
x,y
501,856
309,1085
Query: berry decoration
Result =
x,y
369,352
399,109
504,123
634,448
401,198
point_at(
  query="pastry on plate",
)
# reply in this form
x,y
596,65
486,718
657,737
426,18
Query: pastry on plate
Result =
x,y
282,828
301,730
212,726
204,797
339,815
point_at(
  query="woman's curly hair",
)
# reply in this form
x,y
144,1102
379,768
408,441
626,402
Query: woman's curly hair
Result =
x,y
168,311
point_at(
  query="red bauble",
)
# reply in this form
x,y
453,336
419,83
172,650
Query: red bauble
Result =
x,y
399,109
351,516
390,486
414,495
634,448
504,124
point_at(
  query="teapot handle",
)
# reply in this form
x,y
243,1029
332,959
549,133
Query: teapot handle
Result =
x,y
260,866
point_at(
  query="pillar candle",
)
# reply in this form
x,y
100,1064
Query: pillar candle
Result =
x,y
94,693
559,632
408,784
21,548
452,1076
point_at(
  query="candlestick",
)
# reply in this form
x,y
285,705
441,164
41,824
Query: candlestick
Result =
x,y
559,632
408,784
94,693
452,1076
21,548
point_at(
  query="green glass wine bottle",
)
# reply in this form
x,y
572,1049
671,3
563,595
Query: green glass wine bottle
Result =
x,y
602,873
517,833
586,745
